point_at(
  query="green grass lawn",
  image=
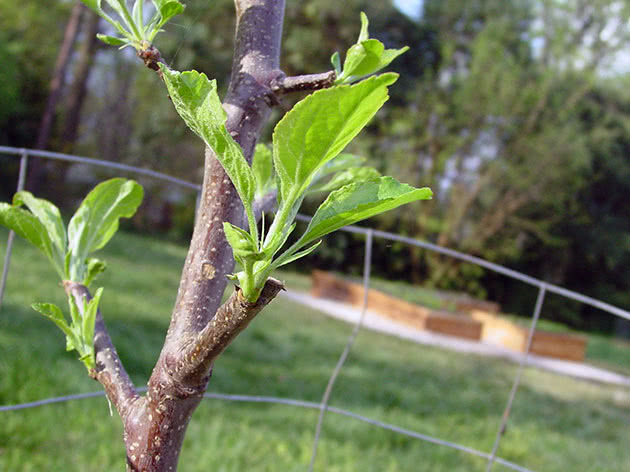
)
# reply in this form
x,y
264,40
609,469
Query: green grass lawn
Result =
x,y
558,424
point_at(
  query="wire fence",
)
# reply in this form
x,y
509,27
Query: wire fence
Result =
x,y
323,406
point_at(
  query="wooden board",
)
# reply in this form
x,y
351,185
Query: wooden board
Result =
x,y
454,325
327,285
502,332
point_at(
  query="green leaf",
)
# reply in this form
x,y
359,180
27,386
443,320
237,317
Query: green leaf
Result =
x,y
320,126
168,9
363,34
342,162
27,226
120,7
358,201
348,176
49,216
94,267
112,40
137,13
367,56
197,102
262,167
335,60
242,243
96,220
88,322
54,313
298,255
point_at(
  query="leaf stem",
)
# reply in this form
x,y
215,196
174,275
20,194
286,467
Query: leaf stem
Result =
x,y
129,20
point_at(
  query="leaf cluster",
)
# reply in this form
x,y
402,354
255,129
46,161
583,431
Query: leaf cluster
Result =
x,y
69,250
364,58
307,144
131,25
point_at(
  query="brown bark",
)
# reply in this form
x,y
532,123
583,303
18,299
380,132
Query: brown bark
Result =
x,y
59,75
155,431
56,88
82,71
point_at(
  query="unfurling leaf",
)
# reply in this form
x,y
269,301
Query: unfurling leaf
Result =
x,y
167,9
94,267
320,126
87,328
112,40
297,255
242,243
367,56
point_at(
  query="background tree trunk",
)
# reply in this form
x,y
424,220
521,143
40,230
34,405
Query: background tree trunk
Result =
x,y
57,83
82,71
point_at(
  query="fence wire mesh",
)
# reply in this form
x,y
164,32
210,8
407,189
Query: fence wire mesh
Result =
x,y
323,406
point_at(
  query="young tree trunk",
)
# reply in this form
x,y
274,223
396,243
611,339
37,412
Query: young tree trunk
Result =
x,y
201,328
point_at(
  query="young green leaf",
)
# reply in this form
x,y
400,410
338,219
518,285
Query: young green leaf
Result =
x,y
320,126
197,102
367,56
137,13
54,313
168,9
88,322
335,60
342,162
363,34
96,220
112,40
293,257
358,201
262,167
348,176
242,243
49,215
94,267
27,226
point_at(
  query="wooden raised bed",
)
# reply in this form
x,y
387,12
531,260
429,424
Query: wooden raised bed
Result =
x,y
327,285
507,334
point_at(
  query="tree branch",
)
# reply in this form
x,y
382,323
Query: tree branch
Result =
x,y
302,83
231,318
109,370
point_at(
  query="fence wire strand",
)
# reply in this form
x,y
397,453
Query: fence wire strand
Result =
x,y
287,402
323,406
367,263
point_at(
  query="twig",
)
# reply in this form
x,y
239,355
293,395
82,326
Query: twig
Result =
x,y
231,318
302,83
109,370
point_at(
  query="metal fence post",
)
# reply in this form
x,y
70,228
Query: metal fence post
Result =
x,y
367,264
7,255
517,379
